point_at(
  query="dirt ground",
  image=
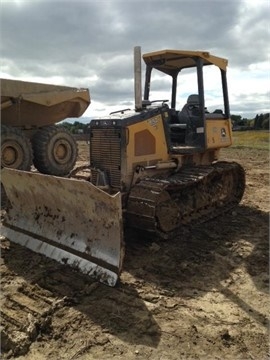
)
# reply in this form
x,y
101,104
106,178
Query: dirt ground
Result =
x,y
203,295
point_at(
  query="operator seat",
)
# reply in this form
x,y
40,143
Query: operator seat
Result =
x,y
178,131
189,109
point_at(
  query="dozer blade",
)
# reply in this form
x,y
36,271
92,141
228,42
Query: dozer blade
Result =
x,y
71,221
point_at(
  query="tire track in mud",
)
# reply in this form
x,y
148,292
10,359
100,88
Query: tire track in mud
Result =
x,y
27,309
26,312
43,299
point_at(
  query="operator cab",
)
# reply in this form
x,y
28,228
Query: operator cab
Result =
x,y
187,128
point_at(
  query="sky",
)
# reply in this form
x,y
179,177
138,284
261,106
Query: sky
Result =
x,y
89,44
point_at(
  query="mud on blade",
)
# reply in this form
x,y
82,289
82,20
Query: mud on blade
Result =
x,y
71,221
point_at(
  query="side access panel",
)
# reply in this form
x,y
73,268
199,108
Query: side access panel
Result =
x,y
68,220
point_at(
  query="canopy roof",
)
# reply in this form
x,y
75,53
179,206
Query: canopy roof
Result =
x,y
170,61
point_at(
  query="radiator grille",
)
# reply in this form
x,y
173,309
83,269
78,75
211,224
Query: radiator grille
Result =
x,y
105,154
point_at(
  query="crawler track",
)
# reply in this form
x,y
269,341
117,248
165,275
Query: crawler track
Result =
x,y
163,204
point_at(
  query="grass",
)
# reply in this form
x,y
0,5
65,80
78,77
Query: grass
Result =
x,y
255,139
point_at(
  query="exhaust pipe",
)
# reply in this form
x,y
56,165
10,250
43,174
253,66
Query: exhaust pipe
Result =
x,y
137,78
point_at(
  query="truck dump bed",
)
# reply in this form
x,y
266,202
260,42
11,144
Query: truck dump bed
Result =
x,y
29,104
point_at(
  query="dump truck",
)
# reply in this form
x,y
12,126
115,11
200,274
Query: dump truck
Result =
x,y
154,169
29,112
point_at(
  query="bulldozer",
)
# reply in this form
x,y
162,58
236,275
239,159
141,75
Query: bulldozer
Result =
x,y
154,168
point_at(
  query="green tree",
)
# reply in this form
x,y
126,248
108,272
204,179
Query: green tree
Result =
x,y
236,119
265,123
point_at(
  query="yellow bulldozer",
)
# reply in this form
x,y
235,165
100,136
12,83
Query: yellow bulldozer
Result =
x,y
154,168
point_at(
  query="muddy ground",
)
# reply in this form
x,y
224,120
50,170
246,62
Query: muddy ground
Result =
x,y
204,295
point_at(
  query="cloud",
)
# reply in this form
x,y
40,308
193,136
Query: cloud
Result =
x,y
90,43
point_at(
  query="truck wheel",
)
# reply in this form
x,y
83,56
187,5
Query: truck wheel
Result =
x,y
16,150
55,151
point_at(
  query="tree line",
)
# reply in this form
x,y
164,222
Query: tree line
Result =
x,y
260,122
77,127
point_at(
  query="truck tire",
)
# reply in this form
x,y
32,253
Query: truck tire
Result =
x,y
16,150
55,151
